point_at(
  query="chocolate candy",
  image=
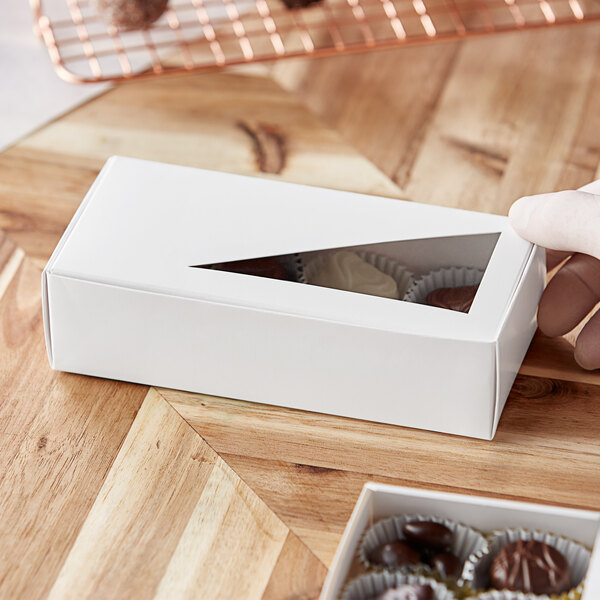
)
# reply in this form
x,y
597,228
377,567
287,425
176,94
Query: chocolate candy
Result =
x,y
299,3
448,564
407,592
459,299
531,567
131,14
428,534
395,554
261,267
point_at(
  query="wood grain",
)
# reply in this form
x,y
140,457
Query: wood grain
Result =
x,y
473,125
105,489
231,531
58,436
553,357
182,524
547,436
39,192
195,120
382,102
298,574
130,532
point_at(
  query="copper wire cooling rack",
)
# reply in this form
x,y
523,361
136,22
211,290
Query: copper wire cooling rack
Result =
x,y
204,34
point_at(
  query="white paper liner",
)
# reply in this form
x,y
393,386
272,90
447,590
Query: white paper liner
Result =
x,y
399,273
477,567
448,277
506,595
292,264
298,267
466,541
367,586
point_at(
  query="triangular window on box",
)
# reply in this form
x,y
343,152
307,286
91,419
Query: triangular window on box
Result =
x,y
443,272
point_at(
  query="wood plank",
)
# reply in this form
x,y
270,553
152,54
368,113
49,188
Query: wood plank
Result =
x,y
231,540
58,436
553,357
473,125
172,518
39,192
545,450
11,257
298,574
316,502
583,160
485,152
381,102
135,522
198,121
191,120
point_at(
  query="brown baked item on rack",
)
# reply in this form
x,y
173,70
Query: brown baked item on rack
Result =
x,y
131,14
299,3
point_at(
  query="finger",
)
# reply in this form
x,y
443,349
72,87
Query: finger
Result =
x,y
587,348
571,294
555,257
560,221
591,188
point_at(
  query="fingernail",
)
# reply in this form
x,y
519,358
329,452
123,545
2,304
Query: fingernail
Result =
x,y
519,213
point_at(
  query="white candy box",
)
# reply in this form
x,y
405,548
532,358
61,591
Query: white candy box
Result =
x,y
123,298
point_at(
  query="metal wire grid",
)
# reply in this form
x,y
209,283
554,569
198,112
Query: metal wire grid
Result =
x,y
204,34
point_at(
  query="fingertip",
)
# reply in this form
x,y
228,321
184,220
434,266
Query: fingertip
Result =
x,y
587,347
549,322
587,358
554,309
519,214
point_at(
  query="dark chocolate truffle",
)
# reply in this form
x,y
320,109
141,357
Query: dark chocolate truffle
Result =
x,y
448,564
428,534
299,3
395,554
531,567
407,592
459,299
261,267
131,14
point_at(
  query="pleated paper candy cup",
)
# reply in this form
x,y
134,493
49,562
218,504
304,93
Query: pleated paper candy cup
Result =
x,y
366,587
477,567
466,541
398,272
448,277
508,595
293,265
298,267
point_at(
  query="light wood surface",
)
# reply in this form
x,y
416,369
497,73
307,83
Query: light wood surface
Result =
x,y
115,490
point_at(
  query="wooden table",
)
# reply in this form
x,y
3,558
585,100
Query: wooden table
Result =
x,y
114,490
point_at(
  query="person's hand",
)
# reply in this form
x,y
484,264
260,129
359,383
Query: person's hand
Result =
x,y
567,224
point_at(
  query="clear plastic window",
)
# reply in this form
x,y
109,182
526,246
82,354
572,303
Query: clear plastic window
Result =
x,y
441,272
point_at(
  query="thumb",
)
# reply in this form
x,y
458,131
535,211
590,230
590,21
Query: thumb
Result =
x,y
561,221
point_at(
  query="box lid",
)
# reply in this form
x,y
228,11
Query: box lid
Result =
x,y
144,225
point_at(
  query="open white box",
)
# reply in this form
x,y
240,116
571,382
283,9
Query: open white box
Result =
x,y
378,501
121,300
